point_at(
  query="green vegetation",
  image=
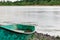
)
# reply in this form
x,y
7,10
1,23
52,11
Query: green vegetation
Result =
x,y
31,2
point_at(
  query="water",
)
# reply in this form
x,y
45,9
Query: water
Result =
x,y
46,17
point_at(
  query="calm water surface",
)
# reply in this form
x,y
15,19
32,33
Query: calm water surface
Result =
x,y
47,18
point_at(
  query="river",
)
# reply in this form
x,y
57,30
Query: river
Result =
x,y
46,17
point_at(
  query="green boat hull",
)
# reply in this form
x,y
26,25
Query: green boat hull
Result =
x,y
6,34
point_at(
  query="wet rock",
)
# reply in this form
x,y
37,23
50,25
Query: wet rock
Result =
x,y
40,36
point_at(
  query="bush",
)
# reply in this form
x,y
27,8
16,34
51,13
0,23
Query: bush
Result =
x,y
58,37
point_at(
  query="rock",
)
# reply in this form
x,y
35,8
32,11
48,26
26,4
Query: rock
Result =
x,y
40,36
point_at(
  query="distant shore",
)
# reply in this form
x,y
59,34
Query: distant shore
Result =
x,y
29,2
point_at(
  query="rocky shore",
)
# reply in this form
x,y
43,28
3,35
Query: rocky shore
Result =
x,y
40,36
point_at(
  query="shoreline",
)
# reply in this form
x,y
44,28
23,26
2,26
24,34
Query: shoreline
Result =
x,y
41,36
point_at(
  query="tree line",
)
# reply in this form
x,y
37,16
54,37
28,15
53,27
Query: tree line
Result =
x,y
30,2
